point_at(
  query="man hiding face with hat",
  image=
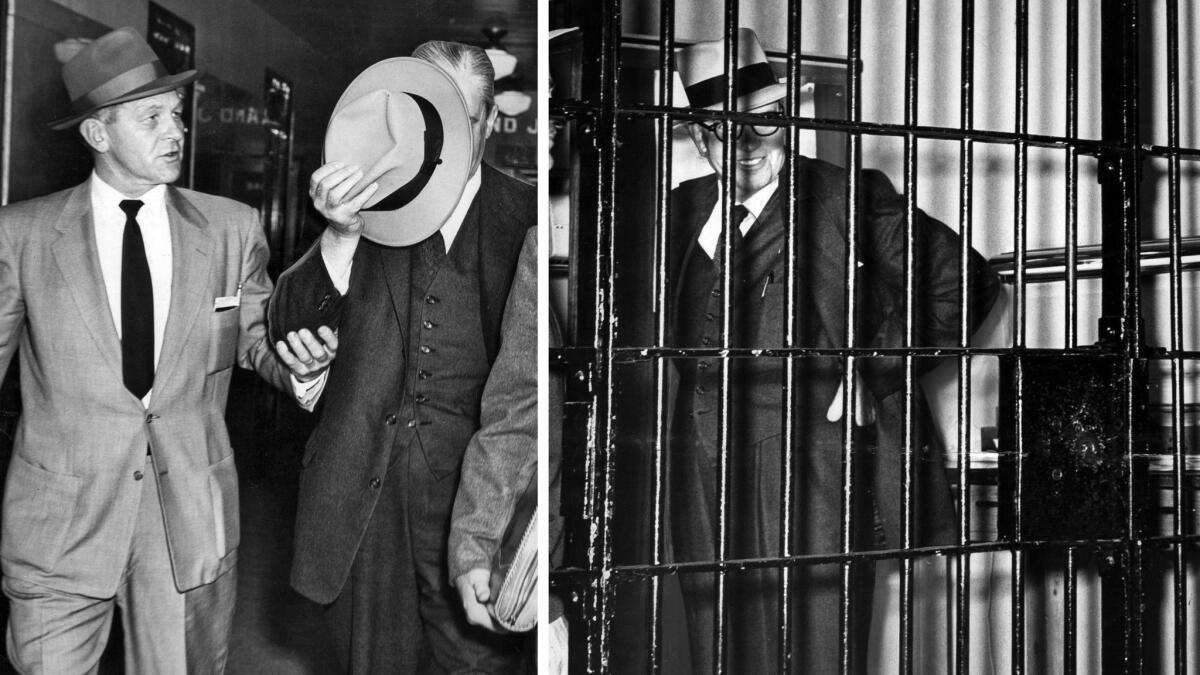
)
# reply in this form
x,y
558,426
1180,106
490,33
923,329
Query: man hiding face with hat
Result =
x,y
130,301
735,222
407,288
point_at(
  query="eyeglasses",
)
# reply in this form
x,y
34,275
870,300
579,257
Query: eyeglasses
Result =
x,y
717,129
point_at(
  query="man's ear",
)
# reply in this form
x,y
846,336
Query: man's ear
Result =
x,y
94,134
491,121
698,138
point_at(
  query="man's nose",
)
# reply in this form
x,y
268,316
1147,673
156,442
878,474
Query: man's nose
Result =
x,y
175,129
748,140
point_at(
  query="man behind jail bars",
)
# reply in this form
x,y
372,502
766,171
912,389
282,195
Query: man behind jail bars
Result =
x,y
757,390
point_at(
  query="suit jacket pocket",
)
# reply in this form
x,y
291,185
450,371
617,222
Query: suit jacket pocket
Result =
x,y
222,485
39,507
223,340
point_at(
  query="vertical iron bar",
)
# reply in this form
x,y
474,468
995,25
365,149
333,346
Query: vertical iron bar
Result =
x,y
1019,320
600,82
1069,613
728,194
962,598
787,469
1177,363
1072,175
911,72
661,219
853,216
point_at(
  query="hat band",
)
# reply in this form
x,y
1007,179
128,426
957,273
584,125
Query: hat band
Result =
x,y
433,156
120,85
751,78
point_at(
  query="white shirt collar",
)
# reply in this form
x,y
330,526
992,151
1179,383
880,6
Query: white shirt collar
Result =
x,y
103,193
754,204
454,223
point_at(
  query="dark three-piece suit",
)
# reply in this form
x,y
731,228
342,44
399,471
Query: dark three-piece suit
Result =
x,y
417,332
757,412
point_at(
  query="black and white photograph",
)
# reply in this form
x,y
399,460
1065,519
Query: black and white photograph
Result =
x,y
268,305
876,336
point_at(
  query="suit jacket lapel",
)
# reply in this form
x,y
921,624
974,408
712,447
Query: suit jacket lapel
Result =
x,y
191,251
77,260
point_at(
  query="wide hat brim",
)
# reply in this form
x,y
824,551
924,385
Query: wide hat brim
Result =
x,y
156,86
364,146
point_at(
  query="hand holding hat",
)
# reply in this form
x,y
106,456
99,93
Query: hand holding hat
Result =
x,y
402,126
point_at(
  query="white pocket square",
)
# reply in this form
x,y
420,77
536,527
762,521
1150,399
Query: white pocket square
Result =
x,y
226,302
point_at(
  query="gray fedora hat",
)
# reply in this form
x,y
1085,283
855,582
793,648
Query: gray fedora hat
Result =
x,y
116,67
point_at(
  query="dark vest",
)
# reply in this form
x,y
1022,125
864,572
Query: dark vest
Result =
x,y
759,319
447,361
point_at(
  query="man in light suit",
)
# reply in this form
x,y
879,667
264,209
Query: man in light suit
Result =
x,y
413,271
130,302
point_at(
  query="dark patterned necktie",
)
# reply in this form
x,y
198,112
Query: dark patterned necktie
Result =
x,y
137,306
430,253
735,225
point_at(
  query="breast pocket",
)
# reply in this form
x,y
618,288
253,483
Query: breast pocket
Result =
x,y
223,339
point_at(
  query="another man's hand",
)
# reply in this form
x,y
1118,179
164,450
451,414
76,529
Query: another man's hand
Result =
x,y
475,590
305,354
337,195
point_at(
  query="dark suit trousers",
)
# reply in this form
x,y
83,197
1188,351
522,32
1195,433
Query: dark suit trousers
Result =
x,y
398,612
752,623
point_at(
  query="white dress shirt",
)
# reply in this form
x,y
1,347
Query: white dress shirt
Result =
x,y
755,203
109,221
338,255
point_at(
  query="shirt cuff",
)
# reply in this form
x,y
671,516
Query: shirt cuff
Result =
x,y
308,393
338,254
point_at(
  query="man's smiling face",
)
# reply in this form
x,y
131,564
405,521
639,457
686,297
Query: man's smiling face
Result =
x,y
757,159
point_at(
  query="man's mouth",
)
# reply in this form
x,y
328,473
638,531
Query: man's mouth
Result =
x,y
750,162
172,155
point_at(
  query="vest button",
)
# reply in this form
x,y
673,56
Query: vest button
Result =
x,y
716,292
423,374
137,475
375,483
427,324
390,419
702,390
412,424
703,365
709,316
324,303
420,398
706,340
431,299
425,349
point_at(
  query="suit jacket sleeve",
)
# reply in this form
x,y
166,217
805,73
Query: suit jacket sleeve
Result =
x,y
305,297
254,350
936,283
500,463
12,303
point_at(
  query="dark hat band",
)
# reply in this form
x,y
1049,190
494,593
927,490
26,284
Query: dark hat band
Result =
x,y
711,92
120,85
433,156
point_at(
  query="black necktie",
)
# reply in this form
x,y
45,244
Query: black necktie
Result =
x,y
137,306
735,225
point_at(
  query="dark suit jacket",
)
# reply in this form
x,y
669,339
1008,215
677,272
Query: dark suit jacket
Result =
x,y
346,456
821,228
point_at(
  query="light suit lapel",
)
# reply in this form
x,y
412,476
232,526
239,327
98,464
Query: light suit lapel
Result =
x,y
79,263
191,251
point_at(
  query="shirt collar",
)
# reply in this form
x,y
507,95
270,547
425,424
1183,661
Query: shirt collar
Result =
x,y
756,202
103,193
454,223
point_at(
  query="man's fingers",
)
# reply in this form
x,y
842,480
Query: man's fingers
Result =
x,y
321,173
477,615
483,591
315,349
338,191
329,337
285,353
298,349
358,202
